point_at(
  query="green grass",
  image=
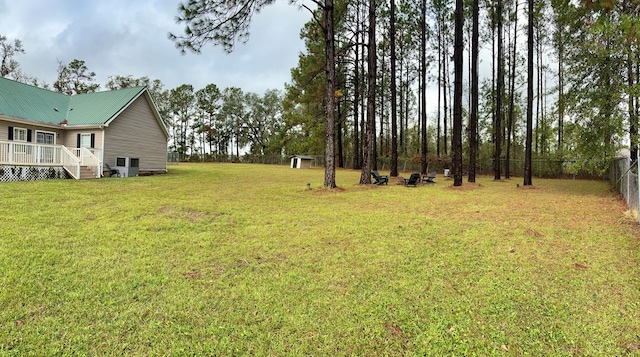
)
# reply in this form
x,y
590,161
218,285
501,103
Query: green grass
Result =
x,y
232,259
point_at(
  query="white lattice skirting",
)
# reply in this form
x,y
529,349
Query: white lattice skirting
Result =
x,y
31,173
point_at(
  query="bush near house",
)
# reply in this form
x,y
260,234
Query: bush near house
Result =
x,y
237,259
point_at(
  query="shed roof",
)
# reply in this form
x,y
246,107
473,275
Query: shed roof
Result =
x,y
303,157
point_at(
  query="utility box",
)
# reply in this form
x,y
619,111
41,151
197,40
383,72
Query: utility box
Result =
x,y
128,166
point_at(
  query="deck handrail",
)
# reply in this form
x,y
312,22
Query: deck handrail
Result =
x,y
70,162
23,153
36,154
91,161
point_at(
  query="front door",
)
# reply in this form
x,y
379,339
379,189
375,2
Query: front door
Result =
x,y
85,142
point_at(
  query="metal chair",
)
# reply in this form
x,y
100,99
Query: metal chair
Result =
x,y
112,172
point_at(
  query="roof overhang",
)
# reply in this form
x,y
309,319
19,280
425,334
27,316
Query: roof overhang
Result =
x,y
30,122
303,157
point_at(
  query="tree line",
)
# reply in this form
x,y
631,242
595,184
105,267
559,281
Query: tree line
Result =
x,y
567,91
433,80
205,122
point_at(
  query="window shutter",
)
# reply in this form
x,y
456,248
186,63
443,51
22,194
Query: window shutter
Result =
x,y
10,136
29,135
93,140
78,141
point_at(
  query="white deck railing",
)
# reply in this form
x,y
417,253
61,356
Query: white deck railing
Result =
x,y
16,153
19,153
70,162
89,159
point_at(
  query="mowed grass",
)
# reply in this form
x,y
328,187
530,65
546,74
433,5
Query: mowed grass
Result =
x,y
234,259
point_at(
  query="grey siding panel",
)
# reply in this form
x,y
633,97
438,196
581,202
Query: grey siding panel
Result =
x,y
136,133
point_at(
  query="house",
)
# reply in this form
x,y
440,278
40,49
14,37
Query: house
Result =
x,y
45,133
301,161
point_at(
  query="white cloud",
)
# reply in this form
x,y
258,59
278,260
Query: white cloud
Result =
x,y
122,37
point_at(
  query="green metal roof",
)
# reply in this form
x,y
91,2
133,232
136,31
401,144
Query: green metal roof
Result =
x,y
22,101
100,107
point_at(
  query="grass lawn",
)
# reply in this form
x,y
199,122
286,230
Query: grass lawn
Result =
x,y
234,259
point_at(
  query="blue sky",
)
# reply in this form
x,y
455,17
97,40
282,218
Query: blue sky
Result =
x,y
124,37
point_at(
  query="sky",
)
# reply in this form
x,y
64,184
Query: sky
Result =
x,y
129,37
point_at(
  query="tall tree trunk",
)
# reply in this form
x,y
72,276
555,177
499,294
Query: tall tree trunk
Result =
x,y
363,112
445,75
394,104
560,96
540,125
406,110
528,143
439,88
365,177
208,133
635,149
356,94
473,115
402,134
493,83
339,136
423,89
499,92
512,94
329,157
456,142
633,120
383,145
376,136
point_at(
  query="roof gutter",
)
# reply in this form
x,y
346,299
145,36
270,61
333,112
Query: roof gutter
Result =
x,y
30,122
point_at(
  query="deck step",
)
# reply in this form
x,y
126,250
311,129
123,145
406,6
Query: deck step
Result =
x,y
86,174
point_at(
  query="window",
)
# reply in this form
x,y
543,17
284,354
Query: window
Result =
x,y
45,138
19,134
85,141
46,154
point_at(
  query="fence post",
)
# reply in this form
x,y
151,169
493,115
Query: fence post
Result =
x,y
628,180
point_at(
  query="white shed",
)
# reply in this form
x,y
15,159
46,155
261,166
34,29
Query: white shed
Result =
x,y
301,161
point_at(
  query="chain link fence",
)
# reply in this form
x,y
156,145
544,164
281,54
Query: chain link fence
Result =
x,y
624,176
542,167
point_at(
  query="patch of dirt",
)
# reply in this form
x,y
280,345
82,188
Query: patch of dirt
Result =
x,y
631,347
533,233
189,214
370,186
471,186
529,187
191,274
329,191
398,180
395,330
581,266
